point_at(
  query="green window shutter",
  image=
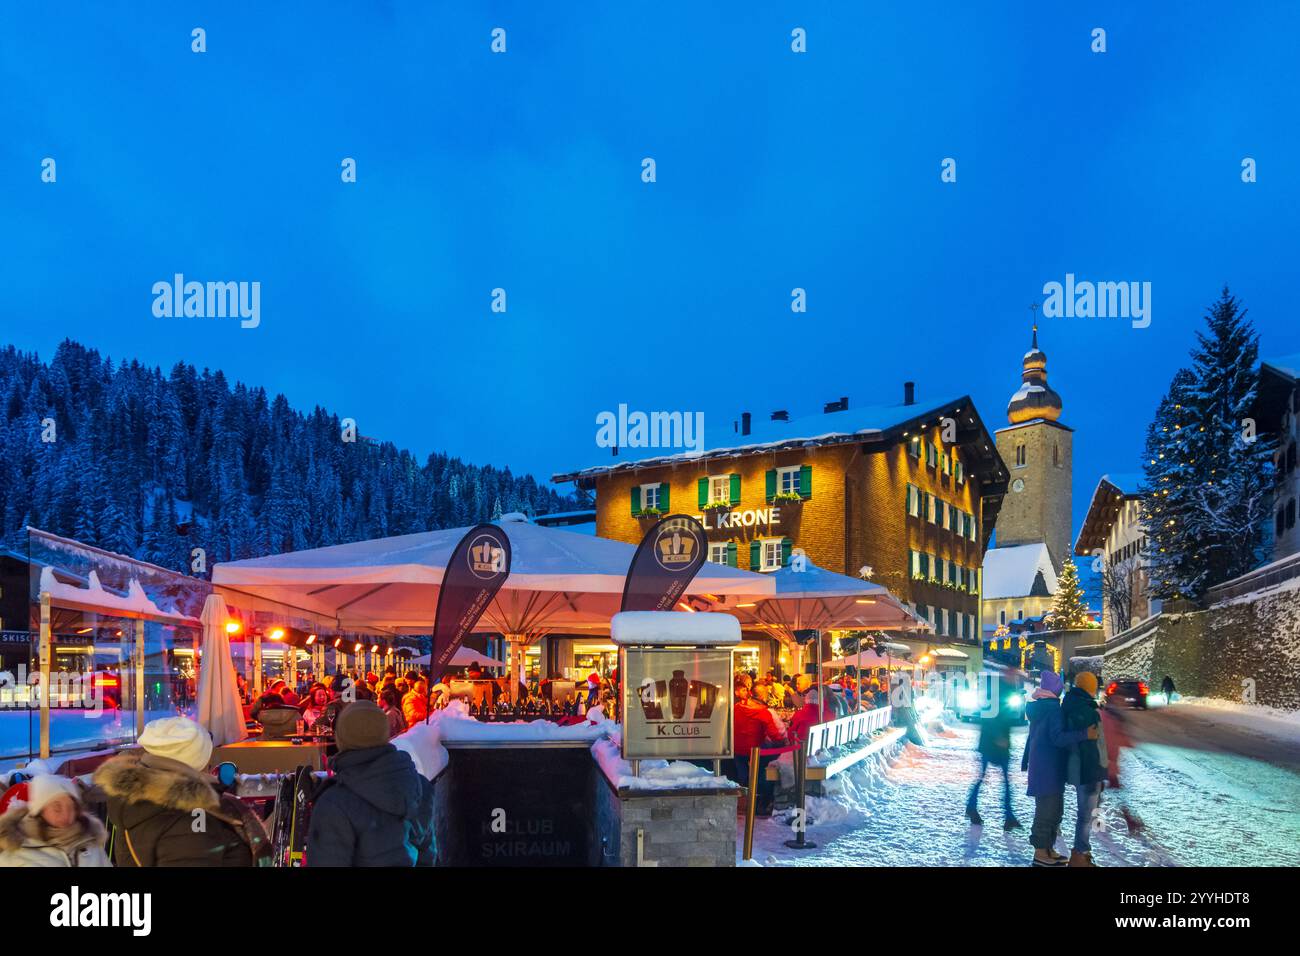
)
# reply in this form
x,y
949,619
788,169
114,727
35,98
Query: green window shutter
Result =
x,y
731,554
636,500
805,481
755,555
770,479
786,547
735,489
925,565
703,487
663,497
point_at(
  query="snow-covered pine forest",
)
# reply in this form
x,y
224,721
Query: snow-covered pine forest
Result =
x,y
154,465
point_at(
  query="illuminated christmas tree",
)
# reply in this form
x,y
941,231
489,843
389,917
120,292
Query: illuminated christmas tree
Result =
x,y
1208,474
1069,611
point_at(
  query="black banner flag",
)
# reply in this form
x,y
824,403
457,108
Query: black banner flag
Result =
x,y
665,563
479,565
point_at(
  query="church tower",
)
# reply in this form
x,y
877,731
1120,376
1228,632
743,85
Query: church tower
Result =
x,y
1039,451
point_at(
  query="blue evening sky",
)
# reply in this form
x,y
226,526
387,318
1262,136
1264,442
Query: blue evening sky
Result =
x,y
522,171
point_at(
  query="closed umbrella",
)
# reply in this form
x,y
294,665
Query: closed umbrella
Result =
x,y
220,709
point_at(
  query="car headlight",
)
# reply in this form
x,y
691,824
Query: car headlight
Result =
x,y
1015,700
967,700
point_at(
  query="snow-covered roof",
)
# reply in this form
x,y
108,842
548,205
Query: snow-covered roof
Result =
x,y
826,428
1013,571
674,627
1288,365
1103,508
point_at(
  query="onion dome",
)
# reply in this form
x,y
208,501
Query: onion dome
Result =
x,y
1035,398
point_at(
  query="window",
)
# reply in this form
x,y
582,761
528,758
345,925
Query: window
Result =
x,y
938,568
722,552
1021,459
720,488
957,469
947,463
938,621
1002,616
931,508
914,558
650,496
787,480
952,623
914,447
951,524
931,455
1056,455
1020,614
772,554
925,565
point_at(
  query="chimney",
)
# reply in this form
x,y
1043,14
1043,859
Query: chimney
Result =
x,y
780,415
744,423
840,406
909,393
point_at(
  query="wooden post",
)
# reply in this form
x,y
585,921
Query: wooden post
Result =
x,y
43,663
750,804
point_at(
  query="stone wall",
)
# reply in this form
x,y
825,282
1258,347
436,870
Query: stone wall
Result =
x,y
1226,651
679,827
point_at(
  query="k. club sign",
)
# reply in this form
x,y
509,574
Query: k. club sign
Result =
x,y
677,702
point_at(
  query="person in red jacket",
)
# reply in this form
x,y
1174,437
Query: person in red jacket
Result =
x,y
755,725
809,716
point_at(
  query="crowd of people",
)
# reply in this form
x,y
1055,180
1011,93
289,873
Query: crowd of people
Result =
x,y
772,714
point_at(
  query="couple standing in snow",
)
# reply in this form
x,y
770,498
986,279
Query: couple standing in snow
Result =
x,y
1065,746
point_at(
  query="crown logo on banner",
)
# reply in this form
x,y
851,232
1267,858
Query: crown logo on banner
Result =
x,y
676,549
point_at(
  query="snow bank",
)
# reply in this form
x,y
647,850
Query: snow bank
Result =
x,y
655,774
135,601
424,742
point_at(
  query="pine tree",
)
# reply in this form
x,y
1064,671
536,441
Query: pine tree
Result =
x,y
1069,610
1208,474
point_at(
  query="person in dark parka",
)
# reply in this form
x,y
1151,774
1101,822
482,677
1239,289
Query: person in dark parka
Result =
x,y
377,810
1045,758
158,799
995,750
1086,762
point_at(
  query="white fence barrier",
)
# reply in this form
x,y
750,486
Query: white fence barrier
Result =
x,y
836,733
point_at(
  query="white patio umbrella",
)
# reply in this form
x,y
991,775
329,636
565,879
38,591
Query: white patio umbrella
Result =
x,y
559,581
219,706
463,657
812,598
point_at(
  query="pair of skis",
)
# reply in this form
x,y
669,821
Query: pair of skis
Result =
x,y
292,815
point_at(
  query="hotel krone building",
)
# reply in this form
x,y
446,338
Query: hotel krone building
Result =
x,y
904,494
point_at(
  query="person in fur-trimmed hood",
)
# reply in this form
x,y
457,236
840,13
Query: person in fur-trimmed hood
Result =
x,y
51,829
152,797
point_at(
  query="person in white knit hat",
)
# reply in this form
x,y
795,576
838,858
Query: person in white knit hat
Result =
x,y
52,828
156,798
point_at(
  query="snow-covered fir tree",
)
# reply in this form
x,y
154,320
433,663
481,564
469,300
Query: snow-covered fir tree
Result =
x,y
1208,475
135,448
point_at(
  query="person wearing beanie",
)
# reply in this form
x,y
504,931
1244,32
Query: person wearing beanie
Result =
x,y
1086,762
376,809
49,827
153,798
1046,751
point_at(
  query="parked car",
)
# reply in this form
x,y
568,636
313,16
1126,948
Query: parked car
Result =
x,y
1128,690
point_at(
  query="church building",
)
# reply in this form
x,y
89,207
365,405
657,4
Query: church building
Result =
x,y
1032,536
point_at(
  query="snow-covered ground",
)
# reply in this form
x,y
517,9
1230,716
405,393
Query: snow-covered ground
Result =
x,y
1197,808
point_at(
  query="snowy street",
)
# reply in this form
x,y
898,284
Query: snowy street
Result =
x,y
1195,779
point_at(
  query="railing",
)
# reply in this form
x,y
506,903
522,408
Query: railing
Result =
x,y
1267,576
843,730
